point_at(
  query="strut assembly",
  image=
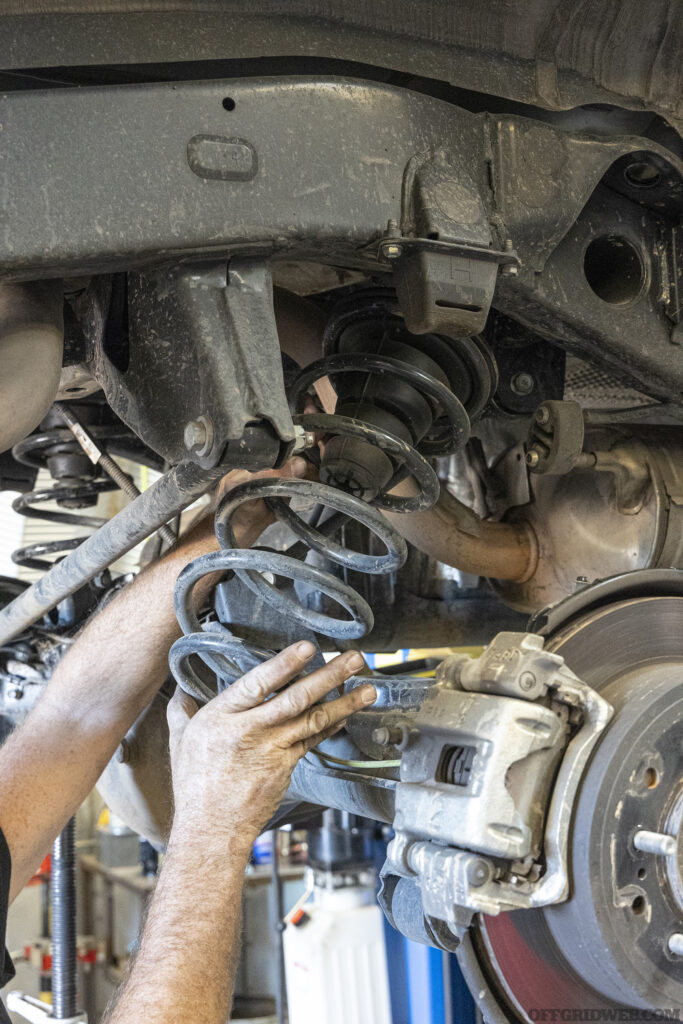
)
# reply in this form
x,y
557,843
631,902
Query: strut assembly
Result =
x,y
378,436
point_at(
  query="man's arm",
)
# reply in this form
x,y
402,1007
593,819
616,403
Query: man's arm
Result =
x,y
232,762
50,764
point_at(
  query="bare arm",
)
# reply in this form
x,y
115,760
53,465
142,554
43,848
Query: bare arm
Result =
x,y
50,764
232,763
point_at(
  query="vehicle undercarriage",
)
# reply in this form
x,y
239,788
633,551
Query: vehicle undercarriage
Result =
x,y
443,265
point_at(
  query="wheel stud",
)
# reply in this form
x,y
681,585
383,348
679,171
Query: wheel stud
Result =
x,y
654,842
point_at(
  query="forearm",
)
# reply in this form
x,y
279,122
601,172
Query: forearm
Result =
x,y
104,682
185,968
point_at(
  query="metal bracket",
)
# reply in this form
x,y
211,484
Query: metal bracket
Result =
x,y
204,352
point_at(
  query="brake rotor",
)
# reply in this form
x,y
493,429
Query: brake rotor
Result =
x,y
609,946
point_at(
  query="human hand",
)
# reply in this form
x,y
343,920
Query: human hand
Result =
x,y
251,519
233,759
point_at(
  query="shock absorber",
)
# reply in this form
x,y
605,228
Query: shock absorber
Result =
x,y
81,471
401,401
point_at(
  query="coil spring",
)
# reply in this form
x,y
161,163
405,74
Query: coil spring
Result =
x,y
34,451
215,645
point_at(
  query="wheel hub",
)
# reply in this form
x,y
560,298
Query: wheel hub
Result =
x,y
613,943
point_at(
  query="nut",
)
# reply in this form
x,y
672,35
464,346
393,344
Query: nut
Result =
x,y
392,251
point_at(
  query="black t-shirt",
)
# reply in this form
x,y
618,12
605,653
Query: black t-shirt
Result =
x,y
5,874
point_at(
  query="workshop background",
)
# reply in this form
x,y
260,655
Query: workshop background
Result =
x,y
315,949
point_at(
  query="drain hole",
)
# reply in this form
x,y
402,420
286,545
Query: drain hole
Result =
x,y
614,269
639,904
651,778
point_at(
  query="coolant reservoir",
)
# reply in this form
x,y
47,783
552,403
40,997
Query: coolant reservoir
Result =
x,y
335,957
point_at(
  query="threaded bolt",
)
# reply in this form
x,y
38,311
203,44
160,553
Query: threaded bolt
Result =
x,y
654,842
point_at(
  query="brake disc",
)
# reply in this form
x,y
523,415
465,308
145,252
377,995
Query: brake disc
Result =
x,y
610,945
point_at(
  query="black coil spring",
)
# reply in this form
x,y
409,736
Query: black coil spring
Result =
x,y
224,653
33,451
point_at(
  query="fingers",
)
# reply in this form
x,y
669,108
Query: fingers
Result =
x,y
253,688
306,692
327,717
297,750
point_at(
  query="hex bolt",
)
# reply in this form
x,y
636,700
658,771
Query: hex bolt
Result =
x,y
542,415
385,736
522,383
532,458
392,251
195,435
676,944
478,872
654,842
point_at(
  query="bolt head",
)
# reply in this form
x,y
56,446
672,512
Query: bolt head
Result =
x,y
392,251
522,383
194,435
542,415
532,458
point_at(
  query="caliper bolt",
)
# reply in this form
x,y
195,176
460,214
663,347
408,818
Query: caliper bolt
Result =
x,y
654,842
532,458
478,872
385,736
676,944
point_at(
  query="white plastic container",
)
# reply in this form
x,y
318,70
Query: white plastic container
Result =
x,y
335,961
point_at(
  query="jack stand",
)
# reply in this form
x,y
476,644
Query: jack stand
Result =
x,y
64,977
